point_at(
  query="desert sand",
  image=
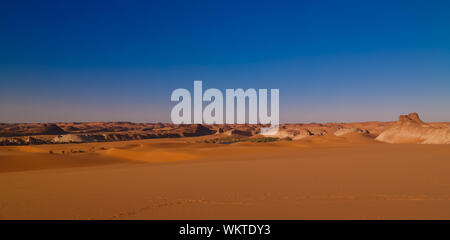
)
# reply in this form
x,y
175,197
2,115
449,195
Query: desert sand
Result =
x,y
334,171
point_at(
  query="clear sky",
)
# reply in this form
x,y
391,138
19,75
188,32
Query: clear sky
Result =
x,y
120,60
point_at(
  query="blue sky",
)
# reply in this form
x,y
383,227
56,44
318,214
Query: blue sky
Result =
x,y
120,60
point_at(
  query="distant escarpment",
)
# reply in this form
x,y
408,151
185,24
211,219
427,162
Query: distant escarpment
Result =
x,y
58,133
44,133
408,129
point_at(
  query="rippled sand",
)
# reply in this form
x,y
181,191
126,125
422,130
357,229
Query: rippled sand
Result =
x,y
349,177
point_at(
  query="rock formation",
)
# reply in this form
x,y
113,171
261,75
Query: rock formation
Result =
x,y
344,131
411,129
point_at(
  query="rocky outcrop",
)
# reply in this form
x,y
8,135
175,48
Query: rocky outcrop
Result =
x,y
344,131
22,141
196,130
240,132
33,141
410,119
72,138
411,129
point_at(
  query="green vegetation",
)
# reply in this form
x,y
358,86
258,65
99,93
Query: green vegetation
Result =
x,y
231,139
263,139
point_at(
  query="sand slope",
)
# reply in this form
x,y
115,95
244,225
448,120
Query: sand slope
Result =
x,y
346,177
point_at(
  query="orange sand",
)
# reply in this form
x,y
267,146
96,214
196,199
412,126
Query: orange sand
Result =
x,y
349,177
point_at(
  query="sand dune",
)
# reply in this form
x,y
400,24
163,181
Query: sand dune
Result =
x,y
307,171
148,156
330,177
